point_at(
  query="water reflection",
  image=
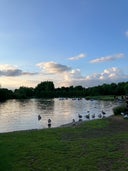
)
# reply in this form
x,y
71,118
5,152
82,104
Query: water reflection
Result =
x,y
23,114
45,108
45,104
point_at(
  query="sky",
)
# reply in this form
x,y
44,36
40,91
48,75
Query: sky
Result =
x,y
69,42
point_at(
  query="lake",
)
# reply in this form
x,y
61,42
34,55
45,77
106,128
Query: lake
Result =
x,y
23,114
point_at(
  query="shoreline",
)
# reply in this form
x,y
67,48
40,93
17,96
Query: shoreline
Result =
x,y
77,123
73,124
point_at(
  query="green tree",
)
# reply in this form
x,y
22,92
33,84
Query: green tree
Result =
x,y
126,88
45,89
24,92
6,94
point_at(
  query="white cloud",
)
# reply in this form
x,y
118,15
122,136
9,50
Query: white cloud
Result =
x,y
53,68
126,33
74,74
80,56
12,71
61,75
107,58
108,76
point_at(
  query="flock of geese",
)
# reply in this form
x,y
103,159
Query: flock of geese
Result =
x,y
87,116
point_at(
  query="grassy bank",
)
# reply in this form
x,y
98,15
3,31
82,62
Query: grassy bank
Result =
x,y
98,145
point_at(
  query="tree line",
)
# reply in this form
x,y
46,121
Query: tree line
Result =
x,y
47,89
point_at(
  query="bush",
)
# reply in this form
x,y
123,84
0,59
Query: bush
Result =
x,y
117,110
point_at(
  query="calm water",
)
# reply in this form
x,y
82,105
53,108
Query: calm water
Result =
x,y
23,114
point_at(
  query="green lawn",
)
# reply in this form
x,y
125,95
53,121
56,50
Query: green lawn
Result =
x,y
99,145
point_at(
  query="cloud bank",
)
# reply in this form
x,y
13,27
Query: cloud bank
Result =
x,y
108,76
66,76
61,75
12,71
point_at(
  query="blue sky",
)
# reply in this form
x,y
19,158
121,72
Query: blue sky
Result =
x,y
69,42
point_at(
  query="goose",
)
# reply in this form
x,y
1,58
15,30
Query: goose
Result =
x,y
87,116
80,116
100,115
103,112
122,113
93,116
49,120
73,122
39,117
49,123
126,116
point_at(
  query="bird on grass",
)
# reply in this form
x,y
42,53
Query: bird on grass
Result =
x,y
73,122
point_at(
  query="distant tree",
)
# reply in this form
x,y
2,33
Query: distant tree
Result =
x,y
105,89
45,86
45,89
6,94
24,92
78,88
120,90
126,88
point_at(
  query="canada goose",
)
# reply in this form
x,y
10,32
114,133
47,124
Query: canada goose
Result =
x,y
80,116
49,123
93,116
126,116
87,116
49,120
39,117
103,112
100,116
73,122
122,113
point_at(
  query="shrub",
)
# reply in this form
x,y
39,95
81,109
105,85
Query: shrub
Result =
x,y
117,110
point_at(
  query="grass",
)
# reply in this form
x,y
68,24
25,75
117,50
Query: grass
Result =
x,y
98,145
